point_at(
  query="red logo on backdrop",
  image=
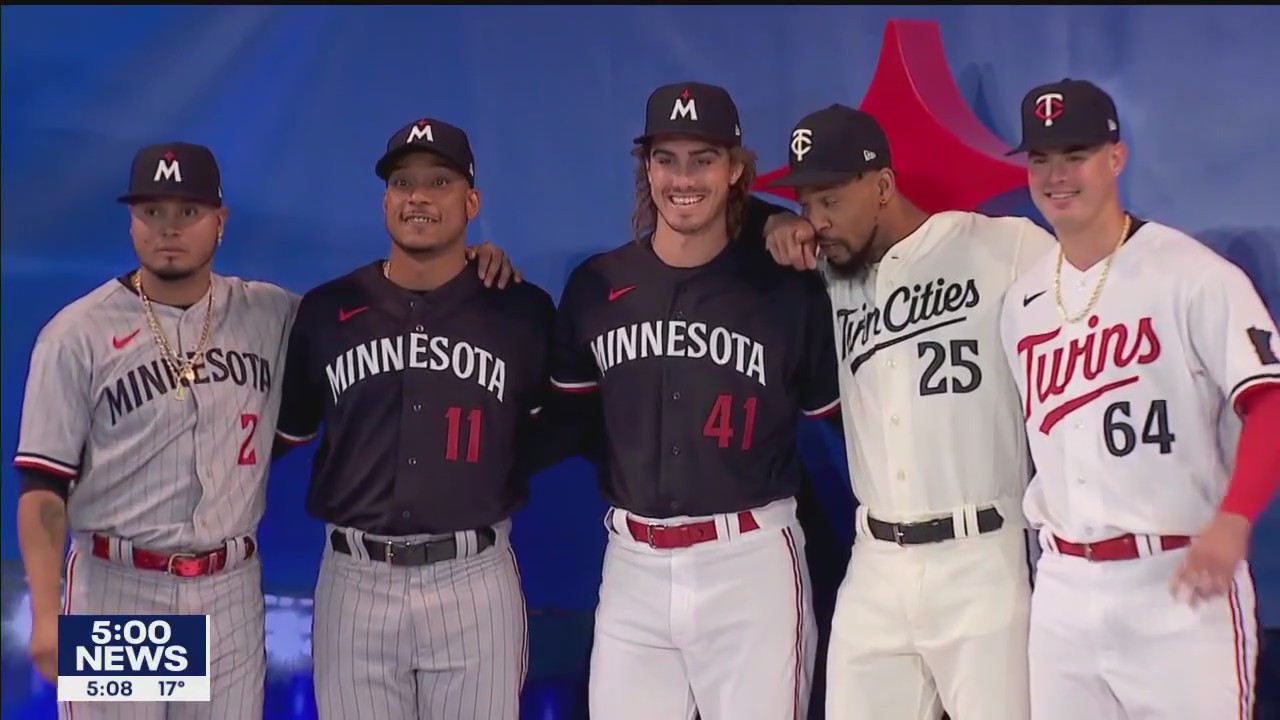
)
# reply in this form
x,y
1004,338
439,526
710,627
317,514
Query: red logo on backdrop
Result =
x,y
945,158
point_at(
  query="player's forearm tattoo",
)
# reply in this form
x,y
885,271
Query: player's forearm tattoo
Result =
x,y
53,521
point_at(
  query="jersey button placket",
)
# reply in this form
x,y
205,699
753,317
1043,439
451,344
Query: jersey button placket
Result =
x,y
666,471
413,422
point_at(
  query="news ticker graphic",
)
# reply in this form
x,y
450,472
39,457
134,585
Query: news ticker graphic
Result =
x,y
133,658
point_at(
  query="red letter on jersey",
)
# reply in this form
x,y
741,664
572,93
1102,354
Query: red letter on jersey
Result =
x,y
248,454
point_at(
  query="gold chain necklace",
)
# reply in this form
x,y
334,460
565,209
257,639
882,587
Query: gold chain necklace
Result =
x,y
181,370
1097,288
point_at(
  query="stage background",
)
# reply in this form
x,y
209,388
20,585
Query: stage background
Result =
x,y
298,104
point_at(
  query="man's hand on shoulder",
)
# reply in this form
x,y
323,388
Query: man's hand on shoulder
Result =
x,y
792,241
493,265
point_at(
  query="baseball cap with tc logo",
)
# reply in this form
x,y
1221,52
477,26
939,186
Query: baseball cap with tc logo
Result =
x,y
832,146
175,170
1067,114
695,109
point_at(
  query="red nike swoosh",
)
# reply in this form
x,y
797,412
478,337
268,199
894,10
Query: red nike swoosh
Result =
x,y
345,315
119,342
615,294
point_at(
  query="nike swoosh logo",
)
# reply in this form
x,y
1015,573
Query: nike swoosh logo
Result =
x,y
615,294
120,342
1028,299
345,315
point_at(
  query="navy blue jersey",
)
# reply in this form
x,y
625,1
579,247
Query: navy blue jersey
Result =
x,y
703,374
423,397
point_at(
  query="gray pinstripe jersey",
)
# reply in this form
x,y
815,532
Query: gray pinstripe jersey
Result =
x,y
100,410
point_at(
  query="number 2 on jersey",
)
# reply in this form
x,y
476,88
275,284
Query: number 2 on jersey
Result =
x,y
248,453
451,448
720,423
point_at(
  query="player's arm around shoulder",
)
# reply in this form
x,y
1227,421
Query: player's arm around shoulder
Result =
x,y
820,377
301,401
1034,244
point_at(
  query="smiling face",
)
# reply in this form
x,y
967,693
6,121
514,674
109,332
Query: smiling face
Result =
x,y
1071,187
428,203
175,239
690,182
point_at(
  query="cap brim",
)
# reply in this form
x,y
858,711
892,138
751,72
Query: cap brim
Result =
x,y
813,178
134,198
708,137
387,163
1061,144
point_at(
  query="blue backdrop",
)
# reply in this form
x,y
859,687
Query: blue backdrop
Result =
x,y
298,103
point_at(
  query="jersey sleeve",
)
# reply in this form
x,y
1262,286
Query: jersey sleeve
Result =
x,y
1232,333
57,407
1034,243
573,368
562,424
820,368
301,404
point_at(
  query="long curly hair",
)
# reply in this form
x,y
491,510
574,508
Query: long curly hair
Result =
x,y
644,218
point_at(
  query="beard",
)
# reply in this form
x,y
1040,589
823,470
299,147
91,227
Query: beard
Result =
x,y
168,272
853,266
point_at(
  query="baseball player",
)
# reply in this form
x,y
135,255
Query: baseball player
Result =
x,y
1148,367
933,611
423,379
705,355
147,432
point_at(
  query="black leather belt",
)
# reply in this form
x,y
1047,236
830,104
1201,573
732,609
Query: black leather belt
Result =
x,y
412,554
930,531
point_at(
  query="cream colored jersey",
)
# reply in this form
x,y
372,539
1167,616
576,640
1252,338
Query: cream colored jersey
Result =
x,y
931,413
1129,412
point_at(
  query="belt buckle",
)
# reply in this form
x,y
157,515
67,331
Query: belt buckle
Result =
x,y
1088,551
168,566
649,535
897,534
390,549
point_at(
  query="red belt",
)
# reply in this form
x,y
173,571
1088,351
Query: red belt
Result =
x,y
1124,547
668,537
180,564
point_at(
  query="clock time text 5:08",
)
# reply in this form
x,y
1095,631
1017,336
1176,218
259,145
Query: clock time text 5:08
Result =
x,y
109,688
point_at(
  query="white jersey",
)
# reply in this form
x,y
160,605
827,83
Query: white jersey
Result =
x,y
100,411
931,412
1129,413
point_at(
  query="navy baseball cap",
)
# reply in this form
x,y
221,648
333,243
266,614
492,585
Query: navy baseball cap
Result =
x,y
692,108
832,146
175,170
434,136
1065,114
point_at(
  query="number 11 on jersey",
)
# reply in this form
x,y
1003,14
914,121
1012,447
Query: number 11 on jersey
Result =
x,y
452,443
723,418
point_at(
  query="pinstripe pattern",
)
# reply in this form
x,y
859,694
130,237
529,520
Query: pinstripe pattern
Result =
x,y
162,475
234,601
168,475
442,641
